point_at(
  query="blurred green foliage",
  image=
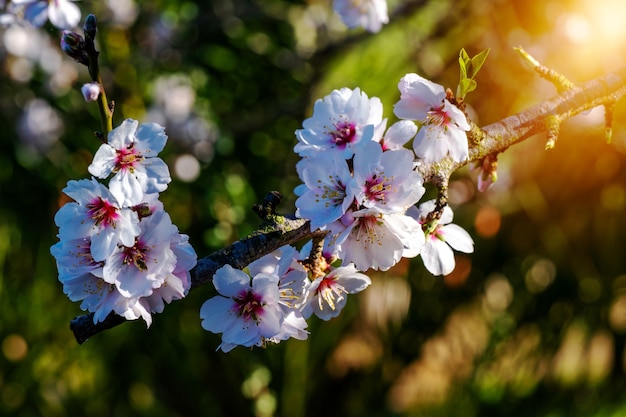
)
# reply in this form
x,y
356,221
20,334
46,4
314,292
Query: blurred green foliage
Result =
x,y
532,323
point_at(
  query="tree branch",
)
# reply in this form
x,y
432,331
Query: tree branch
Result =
x,y
278,230
499,136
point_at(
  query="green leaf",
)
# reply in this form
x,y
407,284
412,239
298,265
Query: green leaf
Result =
x,y
463,67
466,85
469,69
478,61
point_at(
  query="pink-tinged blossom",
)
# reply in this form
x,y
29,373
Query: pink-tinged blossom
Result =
x,y
176,285
91,91
371,239
340,122
81,277
138,269
326,196
443,125
93,283
292,286
327,295
368,14
386,180
96,214
247,312
441,237
63,14
131,156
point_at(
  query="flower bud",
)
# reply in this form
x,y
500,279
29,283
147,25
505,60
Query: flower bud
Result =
x,y
73,45
90,27
91,91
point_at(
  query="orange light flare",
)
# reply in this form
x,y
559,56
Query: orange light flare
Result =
x,y
592,35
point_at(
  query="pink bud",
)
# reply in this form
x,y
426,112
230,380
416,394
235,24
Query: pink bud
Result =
x,y
91,91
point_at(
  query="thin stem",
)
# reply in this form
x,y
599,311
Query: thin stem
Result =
x,y
105,110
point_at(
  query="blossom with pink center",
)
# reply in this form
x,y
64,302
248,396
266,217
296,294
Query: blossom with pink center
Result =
x,y
63,14
327,295
371,239
443,126
131,156
136,270
385,180
340,122
134,281
441,237
368,14
292,286
96,214
176,285
247,312
325,196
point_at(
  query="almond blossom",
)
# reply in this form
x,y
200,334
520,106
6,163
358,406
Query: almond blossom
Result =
x,y
441,237
328,294
385,180
130,155
443,125
371,239
136,270
293,284
96,214
340,122
246,311
326,195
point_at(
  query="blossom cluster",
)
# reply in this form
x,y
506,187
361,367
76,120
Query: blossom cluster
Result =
x,y
118,250
272,300
361,186
359,181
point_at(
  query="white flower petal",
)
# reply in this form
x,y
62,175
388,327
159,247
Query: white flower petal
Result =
x,y
458,238
437,256
216,315
103,162
229,281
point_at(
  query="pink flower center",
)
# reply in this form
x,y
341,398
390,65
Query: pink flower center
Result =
x,y
127,159
433,230
375,188
136,255
437,116
249,305
330,291
102,212
343,134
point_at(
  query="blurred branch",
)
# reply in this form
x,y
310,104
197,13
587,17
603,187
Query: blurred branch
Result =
x,y
278,230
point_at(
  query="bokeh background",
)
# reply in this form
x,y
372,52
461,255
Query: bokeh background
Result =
x,y
532,323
